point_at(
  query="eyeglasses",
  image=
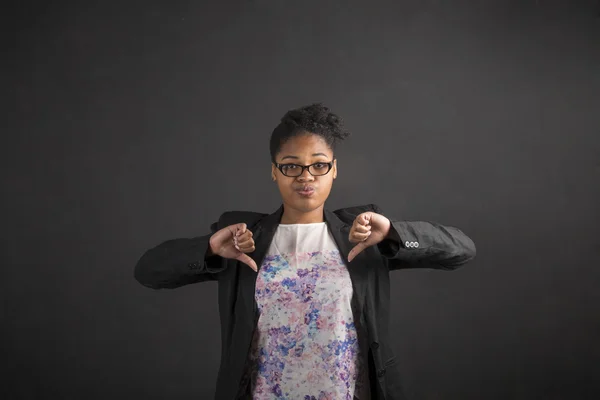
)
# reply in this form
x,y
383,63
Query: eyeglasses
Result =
x,y
294,170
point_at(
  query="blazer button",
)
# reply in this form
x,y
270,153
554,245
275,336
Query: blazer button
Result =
x,y
381,373
375,345
193,265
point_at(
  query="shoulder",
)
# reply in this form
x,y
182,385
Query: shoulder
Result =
x,y
234,217
348,214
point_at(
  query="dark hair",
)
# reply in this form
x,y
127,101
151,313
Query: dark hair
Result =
x,y
312,119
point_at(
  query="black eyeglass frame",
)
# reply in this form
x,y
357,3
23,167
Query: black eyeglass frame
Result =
x,y
280,168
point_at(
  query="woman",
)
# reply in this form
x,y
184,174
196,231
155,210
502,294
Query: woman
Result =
x,y
304,291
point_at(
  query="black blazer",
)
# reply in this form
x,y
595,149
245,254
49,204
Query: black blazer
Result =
x,y
415,244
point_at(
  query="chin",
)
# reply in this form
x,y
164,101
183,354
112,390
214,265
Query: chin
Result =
x,y
306,205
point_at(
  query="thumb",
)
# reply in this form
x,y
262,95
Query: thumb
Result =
x,y
246,259
356,250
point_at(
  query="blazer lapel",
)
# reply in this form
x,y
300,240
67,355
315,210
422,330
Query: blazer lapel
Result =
x,y
358,268
262,234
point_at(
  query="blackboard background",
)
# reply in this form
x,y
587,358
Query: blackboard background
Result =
x,y
479,114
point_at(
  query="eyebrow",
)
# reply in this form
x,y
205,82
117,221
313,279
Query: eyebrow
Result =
x,y
314,155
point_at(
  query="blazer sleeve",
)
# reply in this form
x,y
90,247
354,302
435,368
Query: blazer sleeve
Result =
x,y
177,262
422,244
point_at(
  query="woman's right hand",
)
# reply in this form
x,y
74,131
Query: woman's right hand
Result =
x,y
233,242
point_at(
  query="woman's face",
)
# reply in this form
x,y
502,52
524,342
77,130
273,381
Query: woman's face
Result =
x,y
304,150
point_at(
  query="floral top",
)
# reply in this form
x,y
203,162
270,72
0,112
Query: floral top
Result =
x,y
306,343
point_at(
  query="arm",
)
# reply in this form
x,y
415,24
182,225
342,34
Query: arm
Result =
x,y
421,244
179,262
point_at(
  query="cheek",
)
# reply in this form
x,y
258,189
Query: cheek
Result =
x,y
326,186
285,187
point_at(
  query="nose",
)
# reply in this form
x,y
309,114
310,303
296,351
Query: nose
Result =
x,y
305,176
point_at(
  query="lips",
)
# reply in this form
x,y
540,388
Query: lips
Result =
x,y
306,189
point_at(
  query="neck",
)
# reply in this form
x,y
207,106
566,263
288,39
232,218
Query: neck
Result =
x,y
291,216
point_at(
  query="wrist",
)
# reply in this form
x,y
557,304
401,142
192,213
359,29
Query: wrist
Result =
x,y
389,231
392,234
210,251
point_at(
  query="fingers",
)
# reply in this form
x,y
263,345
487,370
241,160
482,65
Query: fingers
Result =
x,y
246,247
240,229
244,241
361,229
243,237
364,219
359,237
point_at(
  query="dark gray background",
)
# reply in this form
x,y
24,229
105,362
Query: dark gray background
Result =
x,y
138,122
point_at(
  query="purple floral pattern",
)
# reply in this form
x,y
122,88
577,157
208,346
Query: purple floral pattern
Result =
x,y
305,345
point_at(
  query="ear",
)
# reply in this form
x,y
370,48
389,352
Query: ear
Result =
x,y
273,175
334,168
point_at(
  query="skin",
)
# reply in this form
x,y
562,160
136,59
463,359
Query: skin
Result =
x,y
301,150
368,229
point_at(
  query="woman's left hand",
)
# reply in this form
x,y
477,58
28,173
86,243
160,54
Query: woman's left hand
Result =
x,y
368,229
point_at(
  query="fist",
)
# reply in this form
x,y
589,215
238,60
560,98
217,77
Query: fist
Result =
x,y
368,229
234,242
